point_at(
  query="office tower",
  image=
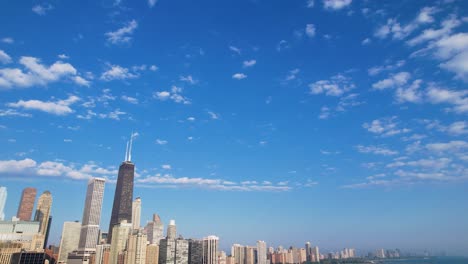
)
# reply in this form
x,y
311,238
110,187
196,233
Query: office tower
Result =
x,y
123,197
119,240
3,197
316,254
173,251
261,252
195,251
25,208
152,254
69,240
31,258
308,252
136,213
44,205
210,250
102,254
7,249
238,252
155,230
136,248
380,253
171,230
89,234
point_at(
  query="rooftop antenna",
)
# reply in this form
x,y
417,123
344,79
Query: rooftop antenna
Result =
x,y
126,152
130,149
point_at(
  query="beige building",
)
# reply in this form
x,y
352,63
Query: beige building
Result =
x,y
136,213
120,234
7,249
136,248
152,254
69,240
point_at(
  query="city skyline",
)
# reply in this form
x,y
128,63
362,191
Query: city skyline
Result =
x,y
339,122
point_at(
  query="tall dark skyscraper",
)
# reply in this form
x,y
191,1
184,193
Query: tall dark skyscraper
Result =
x,y
123,198
26,205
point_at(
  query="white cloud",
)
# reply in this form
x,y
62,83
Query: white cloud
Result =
x,y
458,128
4,58
116,72
292,74
336,86
410,94
188,79
459,65
191,118
394,80
129,99
451,146
122,35
282,45
63,56
12,112
366,41
166,166
153,68
67,140
80,81
60,107
458,99
235,49
336,4
249,63
152,3
115,114
387,67
42,9
447,27
161,141
310,3
38,74
213,115
239,76
385,127
8,40
16,166
175,95
376,150
310,30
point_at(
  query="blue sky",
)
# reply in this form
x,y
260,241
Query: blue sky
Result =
x,y
338,122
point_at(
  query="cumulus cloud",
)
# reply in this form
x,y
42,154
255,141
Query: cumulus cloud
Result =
x,y
377,150
122,35
8,40
393,81
239,76
385,127
4,58
42,9
116,72
213,115
336,86
129,99
175,95
336,4
60,107
310,30
152,3
457,99
37,73
249,63
235,49
161,141
188,79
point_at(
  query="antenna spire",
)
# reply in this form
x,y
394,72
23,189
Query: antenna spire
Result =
x,y
126,152
130,149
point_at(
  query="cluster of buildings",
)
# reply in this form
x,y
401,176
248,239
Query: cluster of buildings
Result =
x,y
23,239
382,253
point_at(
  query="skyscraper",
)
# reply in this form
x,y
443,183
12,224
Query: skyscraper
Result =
x,y
152,254
316,254
44,205
136,248
261,252
308,252
3,197
69,240
123,197
136,213
238,252
26,205
119,240
210,250
155,230
171,230
195,251
92,215
173,251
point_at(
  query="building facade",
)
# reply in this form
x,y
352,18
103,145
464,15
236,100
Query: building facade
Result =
x,y
155,230
26,205
210,250
136,248
136,213
89,233
3,197
69,241
119,241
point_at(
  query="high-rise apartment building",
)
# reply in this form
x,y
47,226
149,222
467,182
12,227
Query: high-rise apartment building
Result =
x,y
210,250
195,251
119,240
89,234
102,254
136,247
238,252
69,241
155,230
26,205
173,251
171,230
136,213
250,255
316,254
44,206
3,197
308,249
261,252
152,254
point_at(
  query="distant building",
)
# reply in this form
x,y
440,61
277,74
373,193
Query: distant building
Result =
x,y
136,248
195,252
173,251
152,254
92,215
316,255
210,250
69,241
32,258
43,208
238,252
261,252
3,197
136,213
308,252
119,241
26,205
102,254
7,249
171,230
155,230
250,255
222,257
24,232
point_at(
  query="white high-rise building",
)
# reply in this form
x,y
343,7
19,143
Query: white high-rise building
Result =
x,y
210,250
171,230
3,197
155,230
136,248
120,234
136,213
69,241
316,254
92,215
261,252
238,252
